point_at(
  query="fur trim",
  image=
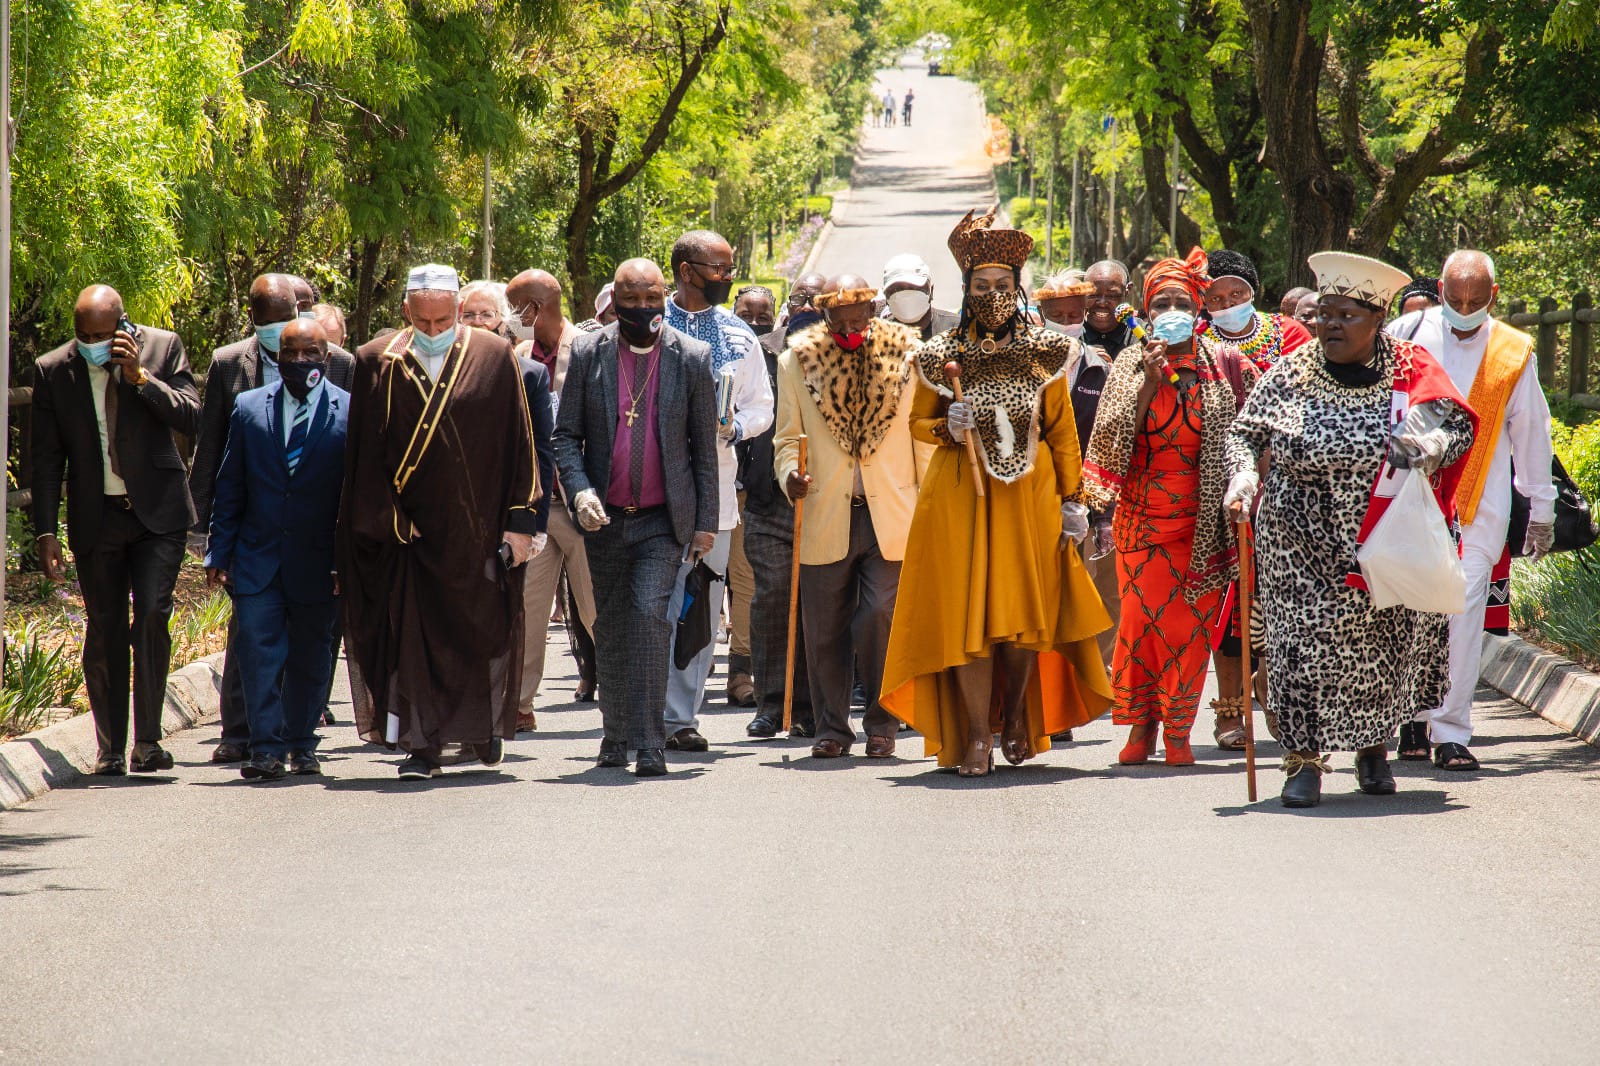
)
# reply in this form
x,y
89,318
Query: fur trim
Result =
x,y
1008,435
844,298
857,393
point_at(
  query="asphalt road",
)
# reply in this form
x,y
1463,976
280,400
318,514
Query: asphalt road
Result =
x,y
757,906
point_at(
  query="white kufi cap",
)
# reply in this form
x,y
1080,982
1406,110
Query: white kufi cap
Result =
x,y
433,277
1369,280
907,268
603,300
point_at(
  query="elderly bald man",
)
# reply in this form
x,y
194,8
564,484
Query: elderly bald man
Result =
x,y
107,407
545,335
1493,366
271,544
860,488
248,363
637,450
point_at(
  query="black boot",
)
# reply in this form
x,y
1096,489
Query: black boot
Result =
x,y
1303,787
1372,772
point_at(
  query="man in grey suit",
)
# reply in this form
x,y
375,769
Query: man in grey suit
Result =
x,y
239,367
636,447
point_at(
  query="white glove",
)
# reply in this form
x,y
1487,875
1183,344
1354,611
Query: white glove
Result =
x,y
1074,522
539,541
1539,542
589,511
1104,540
959,421
1241,490
1421,451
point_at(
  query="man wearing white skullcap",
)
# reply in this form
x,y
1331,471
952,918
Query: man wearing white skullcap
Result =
x,y
908,293
430,558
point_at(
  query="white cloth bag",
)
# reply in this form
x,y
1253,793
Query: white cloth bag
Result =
x,y
1409,559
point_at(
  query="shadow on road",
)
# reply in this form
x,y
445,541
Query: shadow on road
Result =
x,y
1353,804
617,776
11,847
1002,776
461,779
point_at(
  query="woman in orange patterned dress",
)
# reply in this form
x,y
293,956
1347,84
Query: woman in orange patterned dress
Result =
x,y
1157,454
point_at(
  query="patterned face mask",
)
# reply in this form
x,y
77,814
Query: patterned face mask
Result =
x,y
993,309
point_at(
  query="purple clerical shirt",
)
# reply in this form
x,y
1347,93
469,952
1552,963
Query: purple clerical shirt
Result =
x,y
636,373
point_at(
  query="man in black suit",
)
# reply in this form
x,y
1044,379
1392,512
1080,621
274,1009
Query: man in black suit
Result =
x,y
636,447
106,407
243,365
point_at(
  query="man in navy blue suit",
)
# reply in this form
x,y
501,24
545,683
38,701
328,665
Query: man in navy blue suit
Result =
x,y
272,524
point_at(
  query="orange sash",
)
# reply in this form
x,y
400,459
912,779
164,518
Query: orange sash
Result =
x,y
1502,365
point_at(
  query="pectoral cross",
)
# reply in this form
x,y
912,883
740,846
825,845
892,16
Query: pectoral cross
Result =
x,y
633,412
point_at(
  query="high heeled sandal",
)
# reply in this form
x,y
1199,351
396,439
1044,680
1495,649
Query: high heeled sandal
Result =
x,y
1140,749
1179,753
1017,749
964,770
1229,707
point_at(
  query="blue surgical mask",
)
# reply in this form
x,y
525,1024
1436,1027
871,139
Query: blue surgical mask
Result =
x,y
267,335
1234,319
1465,323
311,315
1174,327
435,346
98,353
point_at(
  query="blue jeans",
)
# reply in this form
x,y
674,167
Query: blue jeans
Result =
x,y
285,654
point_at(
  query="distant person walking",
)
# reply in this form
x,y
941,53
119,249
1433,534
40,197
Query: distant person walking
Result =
x,y
888,107
905,107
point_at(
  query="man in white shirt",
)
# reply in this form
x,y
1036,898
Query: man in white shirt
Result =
x,y
1493,366
702,269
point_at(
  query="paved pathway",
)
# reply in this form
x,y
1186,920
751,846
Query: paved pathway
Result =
x,y
757,906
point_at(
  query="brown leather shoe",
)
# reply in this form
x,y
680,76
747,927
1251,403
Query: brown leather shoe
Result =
x,y
880,747
527,722
828,749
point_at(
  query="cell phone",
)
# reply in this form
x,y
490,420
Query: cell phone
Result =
x,y
507,558
125,325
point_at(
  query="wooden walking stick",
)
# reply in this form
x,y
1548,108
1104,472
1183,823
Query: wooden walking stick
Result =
x,y
1247,581
794,600
952,370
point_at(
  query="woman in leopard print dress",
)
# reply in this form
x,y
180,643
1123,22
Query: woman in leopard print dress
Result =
x,y
1342,676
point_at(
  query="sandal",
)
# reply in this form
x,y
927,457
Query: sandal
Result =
x,y
979,761
1413,746
1446,754
1229,707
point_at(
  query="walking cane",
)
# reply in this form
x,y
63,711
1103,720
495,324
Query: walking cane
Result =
x,y
1247,581
794,600
952,370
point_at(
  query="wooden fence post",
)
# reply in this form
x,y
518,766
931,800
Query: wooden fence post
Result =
x,y
1546,345
1579,350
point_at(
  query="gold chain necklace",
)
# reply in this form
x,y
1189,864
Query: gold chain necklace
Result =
x,y
635,397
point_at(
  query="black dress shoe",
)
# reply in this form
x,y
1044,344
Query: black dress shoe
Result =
x,y
612,754
148,759
304,763
110,766
263,767
416,768
687,739
491,753
227,752
803,730
1373,775
763,725
1063,737
329,719
652,763
584,693
1303,788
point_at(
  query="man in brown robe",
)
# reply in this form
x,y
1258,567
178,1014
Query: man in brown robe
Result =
x,y
436,523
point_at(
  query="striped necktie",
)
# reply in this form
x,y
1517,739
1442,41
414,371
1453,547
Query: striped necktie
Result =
x,y
297,435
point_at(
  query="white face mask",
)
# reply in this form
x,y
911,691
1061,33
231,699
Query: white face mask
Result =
x,y
909,305
1074,330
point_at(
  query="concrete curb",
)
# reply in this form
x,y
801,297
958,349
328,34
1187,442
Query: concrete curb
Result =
x,y
34,763
1558,690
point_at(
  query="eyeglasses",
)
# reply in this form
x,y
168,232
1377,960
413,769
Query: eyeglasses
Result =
x,y
799,299
478,316
720,270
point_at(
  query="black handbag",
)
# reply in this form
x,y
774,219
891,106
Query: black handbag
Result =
x,y
1575,524
693,632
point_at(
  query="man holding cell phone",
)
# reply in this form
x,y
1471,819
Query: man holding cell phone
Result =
x,y
106,408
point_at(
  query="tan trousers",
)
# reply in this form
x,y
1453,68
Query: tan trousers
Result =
x,y
564,549
741,589
1103,572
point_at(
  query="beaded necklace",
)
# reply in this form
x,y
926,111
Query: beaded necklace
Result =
x,y
1262,345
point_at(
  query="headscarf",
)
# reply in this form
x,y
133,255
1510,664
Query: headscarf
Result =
x,y
1189,272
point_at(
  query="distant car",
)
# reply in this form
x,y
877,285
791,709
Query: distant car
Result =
x,y
935,68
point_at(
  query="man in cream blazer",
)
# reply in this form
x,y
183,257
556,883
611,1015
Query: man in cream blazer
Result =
x,y
845,384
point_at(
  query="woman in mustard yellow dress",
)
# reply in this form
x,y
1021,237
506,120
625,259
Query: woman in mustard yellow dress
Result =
x,y
996,617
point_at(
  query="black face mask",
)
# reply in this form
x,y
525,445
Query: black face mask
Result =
x,y
639,326
760,331
801,319
716,292
301,377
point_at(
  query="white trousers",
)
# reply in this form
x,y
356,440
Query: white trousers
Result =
x,y
686,688
1451,722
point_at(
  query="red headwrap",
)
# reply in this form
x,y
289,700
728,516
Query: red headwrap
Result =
x,y
1189,272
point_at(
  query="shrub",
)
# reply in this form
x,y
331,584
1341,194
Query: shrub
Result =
x,y
1557,600
36,680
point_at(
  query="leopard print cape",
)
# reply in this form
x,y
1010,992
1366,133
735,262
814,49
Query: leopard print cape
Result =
x,y
1213,556
857,393
1002,387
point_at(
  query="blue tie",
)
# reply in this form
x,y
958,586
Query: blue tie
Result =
x,y
297,435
